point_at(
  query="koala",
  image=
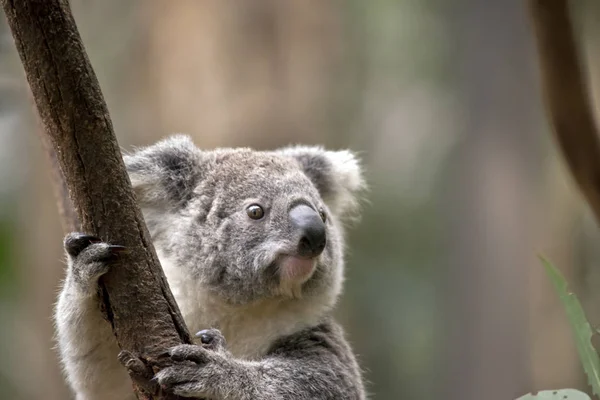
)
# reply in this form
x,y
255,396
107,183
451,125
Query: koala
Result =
x,y
252,244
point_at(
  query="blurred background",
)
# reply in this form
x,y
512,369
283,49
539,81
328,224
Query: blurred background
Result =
x,y
445,297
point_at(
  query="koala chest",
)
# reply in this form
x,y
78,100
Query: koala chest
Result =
x,y
249,330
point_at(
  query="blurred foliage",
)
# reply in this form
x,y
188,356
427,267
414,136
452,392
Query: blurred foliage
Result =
x,y
8,297
582,330
7,265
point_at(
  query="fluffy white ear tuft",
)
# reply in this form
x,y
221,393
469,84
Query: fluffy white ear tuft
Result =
x,y
337,175
164,174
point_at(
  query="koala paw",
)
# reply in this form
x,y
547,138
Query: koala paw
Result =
x,y
199,371
89,259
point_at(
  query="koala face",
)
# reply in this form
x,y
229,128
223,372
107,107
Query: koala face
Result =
x,y
249,225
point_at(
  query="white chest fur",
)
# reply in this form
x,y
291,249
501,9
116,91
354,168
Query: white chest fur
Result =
x,y
250,329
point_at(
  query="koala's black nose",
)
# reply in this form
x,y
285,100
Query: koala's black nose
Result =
x,y
311,229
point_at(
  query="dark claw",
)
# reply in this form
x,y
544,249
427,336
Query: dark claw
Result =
x,y
131,362
166,353
116,249
211,339
205,336
138,371
75,243
113,253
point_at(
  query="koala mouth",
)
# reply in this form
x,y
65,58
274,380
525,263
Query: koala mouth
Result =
x,y
296,269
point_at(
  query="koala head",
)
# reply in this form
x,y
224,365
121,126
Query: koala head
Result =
x,y
249,225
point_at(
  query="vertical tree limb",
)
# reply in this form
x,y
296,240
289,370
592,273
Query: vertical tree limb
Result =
x,y
66,212
139,304
567,96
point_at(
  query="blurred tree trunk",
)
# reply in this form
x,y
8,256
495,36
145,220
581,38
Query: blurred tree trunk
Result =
x,y
238,73
490,230
38,256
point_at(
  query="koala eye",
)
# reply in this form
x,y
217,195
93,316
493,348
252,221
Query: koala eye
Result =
x,y
255,211
322,215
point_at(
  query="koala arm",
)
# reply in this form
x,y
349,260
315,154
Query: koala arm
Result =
x,y
86,344
316,363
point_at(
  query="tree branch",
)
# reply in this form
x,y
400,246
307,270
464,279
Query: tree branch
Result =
x,y
566,95
144,315
66,212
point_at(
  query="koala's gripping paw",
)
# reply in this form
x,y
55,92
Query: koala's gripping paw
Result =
x,y
200,370
196,372
89,259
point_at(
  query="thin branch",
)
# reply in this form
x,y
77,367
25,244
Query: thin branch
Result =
x,y
567,96
139,304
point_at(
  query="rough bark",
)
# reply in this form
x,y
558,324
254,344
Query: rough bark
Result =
x,y
567,96
66,212
143,313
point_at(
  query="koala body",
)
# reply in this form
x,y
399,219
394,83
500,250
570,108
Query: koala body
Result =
x,y
251,244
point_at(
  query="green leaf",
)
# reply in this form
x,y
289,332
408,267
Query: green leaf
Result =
x,y
580,325
570,394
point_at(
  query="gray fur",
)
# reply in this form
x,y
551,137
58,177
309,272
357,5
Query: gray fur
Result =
x,y
225,271
85,340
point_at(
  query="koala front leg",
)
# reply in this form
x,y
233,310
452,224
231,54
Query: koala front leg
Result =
x,y
316,364
208,371
87,346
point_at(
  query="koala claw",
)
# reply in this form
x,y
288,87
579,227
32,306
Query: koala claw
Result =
x,y
211,339
131,362
138,371
116,249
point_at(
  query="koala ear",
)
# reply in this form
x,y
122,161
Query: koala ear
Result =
x,y
165,174
337,176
